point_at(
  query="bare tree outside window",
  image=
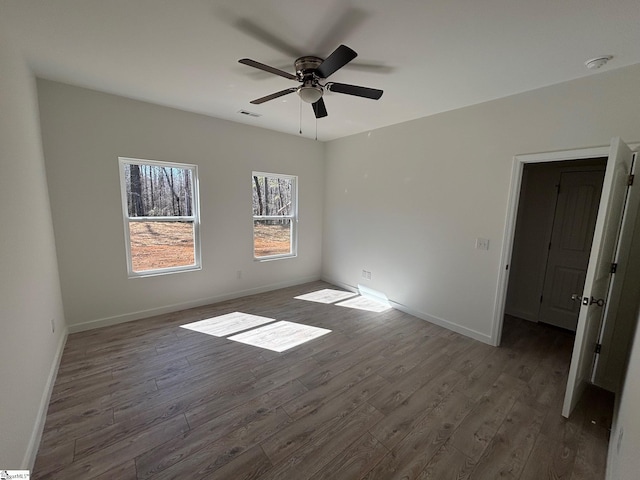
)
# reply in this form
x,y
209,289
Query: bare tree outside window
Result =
x,y
274,215
160,207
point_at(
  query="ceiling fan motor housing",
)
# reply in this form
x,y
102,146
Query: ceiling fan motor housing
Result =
x,y
306,67
310,91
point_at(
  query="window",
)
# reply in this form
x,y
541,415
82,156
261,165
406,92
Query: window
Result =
x,y
161,216
275,216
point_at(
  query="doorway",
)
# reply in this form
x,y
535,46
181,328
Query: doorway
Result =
x,y
555,223
610,255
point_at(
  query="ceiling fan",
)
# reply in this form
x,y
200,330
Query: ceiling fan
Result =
x,y
310,71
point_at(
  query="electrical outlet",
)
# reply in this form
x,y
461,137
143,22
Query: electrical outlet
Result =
x,y
368,275
364,274
53,325
482,243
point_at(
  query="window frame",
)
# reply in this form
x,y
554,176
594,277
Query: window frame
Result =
x,y
293,218
194,219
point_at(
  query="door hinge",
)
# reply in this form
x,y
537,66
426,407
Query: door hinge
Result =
x,y
598,347
630,180
614,267
540,298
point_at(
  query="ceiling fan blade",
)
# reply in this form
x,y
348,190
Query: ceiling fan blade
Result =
x,y
366,92
338,59
370,67
267,68
341,21
319,109
281,93
262,35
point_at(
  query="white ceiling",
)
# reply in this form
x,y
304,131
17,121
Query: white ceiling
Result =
x,y
428,56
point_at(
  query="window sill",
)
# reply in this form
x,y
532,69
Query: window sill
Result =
x,y
164,271
274,257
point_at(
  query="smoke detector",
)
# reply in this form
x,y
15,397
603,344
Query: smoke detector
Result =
x,y
597,62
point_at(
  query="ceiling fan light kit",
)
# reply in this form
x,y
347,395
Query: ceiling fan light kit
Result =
x,y
310,71
310,93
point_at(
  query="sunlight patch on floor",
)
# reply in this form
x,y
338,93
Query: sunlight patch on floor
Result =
x,y
227,324
280,336
369,300
364,303
326,295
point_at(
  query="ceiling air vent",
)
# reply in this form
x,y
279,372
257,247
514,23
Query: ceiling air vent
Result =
x,y
249,114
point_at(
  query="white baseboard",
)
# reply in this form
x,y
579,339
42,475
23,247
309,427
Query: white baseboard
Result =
x,y
128,317
468,332
36,435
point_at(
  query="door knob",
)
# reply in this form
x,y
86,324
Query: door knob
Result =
x,y
576,296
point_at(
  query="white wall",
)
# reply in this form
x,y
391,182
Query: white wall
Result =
x,y
29,286
84,132
623,462
406,202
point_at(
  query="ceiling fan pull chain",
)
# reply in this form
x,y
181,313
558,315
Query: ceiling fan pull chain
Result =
x,y
300,132
316,129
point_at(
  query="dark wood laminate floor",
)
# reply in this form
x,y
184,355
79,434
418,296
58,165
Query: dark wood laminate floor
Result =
x,y
385,395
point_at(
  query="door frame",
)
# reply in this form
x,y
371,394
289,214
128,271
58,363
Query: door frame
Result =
x,y
517,170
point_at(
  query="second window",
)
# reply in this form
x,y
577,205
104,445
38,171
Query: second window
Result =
x,y
274,215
